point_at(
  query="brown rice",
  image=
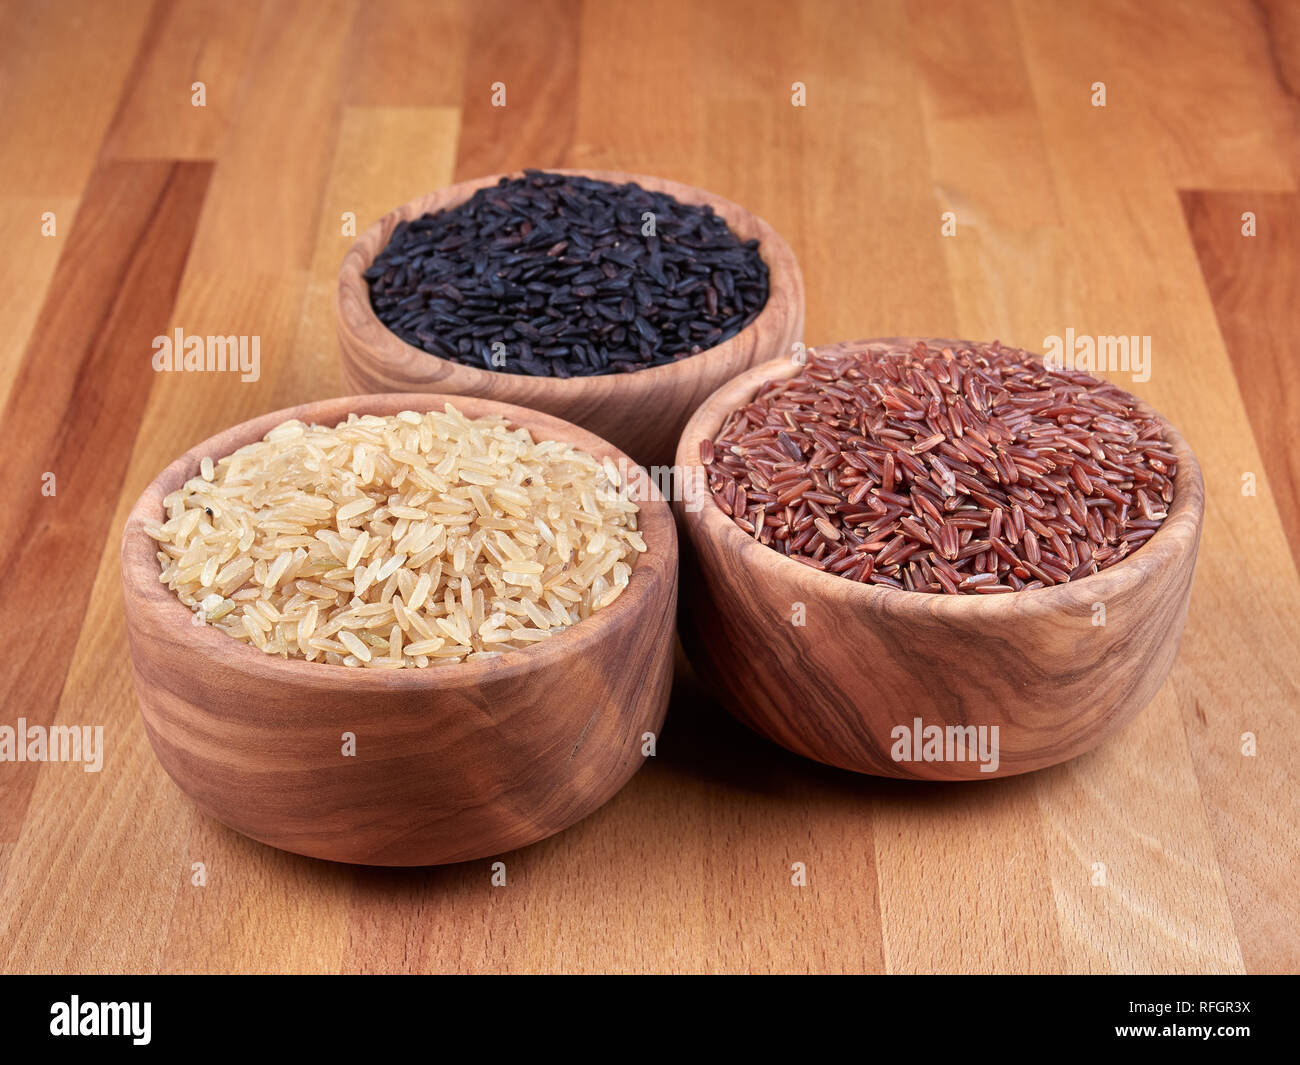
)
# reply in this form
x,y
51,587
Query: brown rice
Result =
x,y
410,540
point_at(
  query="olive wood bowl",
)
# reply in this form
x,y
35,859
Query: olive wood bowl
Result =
x,y
452,762
643,411
870,660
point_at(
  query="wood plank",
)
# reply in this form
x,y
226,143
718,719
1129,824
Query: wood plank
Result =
x,y
1212,123
862,191
264,201
76,405
532,49
1139,278
62,69
408,53
985,139
953,899
1019,282
1135,877
710,892
1252,281
713,887
78,401
1279,27
291,908
204,41
1253,300
385,157
309,898
648,138
758,147
170,835
156,830
115,840
59,83
883,274
26,271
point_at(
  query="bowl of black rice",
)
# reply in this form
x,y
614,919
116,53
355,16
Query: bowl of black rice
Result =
x,y
616,301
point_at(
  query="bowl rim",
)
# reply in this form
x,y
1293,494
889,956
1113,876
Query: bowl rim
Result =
x,y
156,604
1177,536
785,288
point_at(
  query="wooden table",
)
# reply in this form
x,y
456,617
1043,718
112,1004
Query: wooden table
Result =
x,y
1166,850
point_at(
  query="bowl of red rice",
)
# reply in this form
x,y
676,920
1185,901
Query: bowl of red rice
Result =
x,y
934,559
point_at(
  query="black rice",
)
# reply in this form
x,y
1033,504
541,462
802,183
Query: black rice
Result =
x,y
554,275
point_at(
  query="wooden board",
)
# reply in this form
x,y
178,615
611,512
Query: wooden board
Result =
x,y
1167,849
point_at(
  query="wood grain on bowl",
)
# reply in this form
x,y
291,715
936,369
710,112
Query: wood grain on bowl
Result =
x,y
452,762
641,412
832,669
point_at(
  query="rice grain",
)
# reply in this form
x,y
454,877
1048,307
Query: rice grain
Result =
x,y
405,541
970,470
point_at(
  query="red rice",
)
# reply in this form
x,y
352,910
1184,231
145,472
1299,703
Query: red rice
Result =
x,y
967,470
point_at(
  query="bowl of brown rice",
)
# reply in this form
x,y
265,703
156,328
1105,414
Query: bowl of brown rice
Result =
x,y
401,629
934,559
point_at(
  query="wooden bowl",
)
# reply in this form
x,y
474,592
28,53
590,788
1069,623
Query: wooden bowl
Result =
x,y
870,660
642,412
452,762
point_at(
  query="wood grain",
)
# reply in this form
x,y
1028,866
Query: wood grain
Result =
x,y
1107,220
642,413
77,414
207,43
529,51
64,71
1253,280
265,197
